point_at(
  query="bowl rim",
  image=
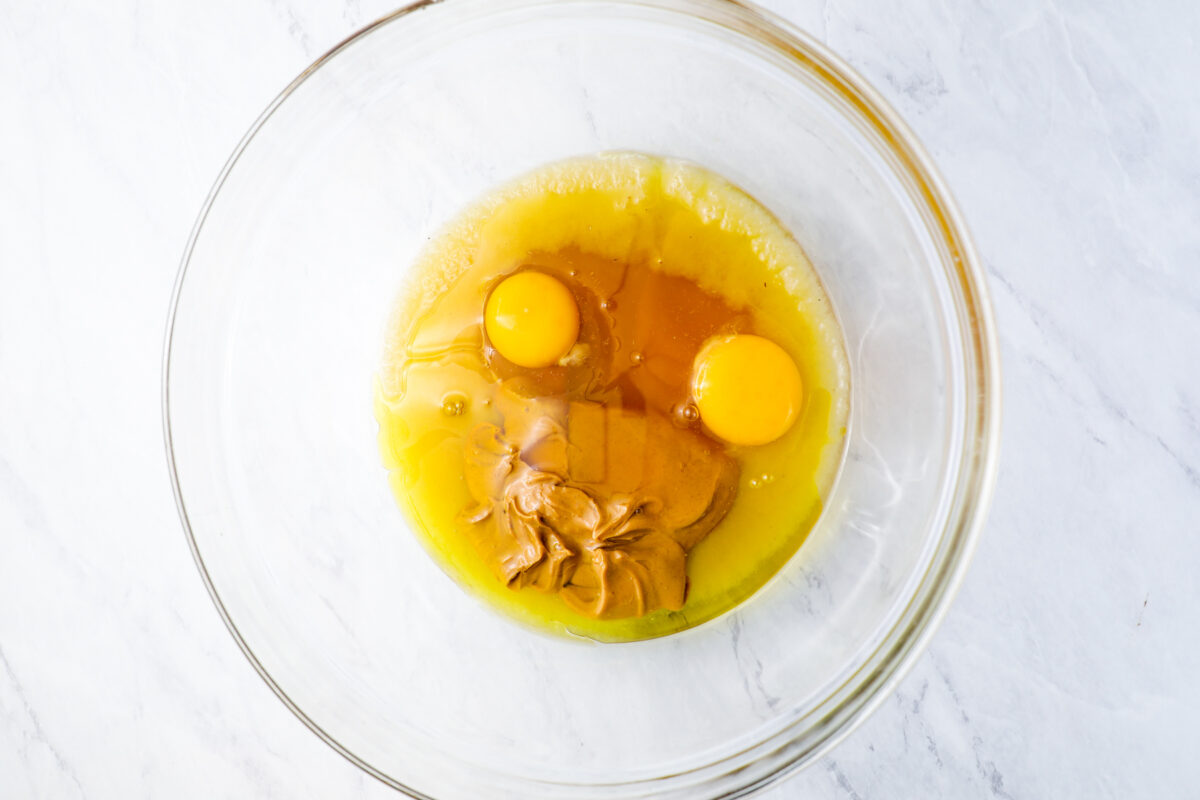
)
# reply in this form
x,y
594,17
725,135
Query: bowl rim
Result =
x,y
785,751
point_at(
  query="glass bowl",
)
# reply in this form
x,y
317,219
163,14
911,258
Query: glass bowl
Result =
x,y
276,333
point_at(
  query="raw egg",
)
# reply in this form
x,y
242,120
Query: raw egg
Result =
x,y
747,388
532,319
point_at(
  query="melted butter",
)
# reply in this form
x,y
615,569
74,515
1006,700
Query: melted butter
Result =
x,y
660,256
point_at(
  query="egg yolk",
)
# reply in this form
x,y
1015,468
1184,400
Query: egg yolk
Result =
x,y
531,319
747,389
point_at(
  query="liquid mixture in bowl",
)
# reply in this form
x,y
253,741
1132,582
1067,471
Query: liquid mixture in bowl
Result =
x,y
613,398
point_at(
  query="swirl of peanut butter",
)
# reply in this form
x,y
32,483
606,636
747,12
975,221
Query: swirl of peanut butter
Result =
x,y
599,504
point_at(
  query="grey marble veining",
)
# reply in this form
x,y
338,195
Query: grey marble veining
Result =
x,y
1068,132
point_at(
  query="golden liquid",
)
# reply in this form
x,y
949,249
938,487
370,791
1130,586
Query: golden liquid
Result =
x,y
640,231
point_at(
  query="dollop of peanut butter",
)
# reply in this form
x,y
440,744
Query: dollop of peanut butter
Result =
x,y
600,504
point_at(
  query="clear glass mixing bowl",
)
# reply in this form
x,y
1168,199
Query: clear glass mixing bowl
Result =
x,y
277,329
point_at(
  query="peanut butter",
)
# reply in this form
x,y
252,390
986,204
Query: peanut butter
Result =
x,y
599,504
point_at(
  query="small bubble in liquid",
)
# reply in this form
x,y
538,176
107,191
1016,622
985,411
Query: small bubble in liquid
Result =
x,y
685,415
608,305
454,404
754,483
636,357
764,479
573,273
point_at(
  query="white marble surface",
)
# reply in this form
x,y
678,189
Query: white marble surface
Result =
x,y
1067,667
